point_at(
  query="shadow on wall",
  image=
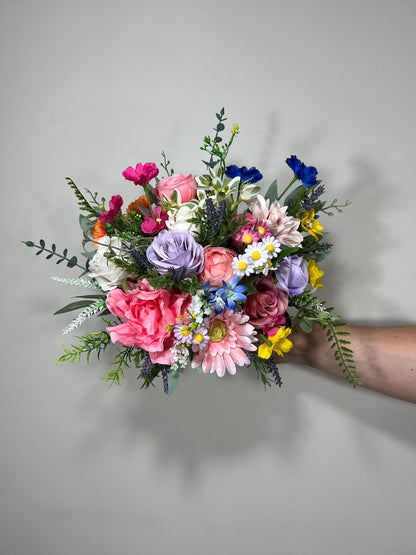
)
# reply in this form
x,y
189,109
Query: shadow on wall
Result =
x,y
209,419
360,263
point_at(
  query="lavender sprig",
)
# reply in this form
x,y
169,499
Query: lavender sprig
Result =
x,y
212,215
310,200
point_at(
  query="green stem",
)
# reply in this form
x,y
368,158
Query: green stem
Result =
x,y
146,192
288,187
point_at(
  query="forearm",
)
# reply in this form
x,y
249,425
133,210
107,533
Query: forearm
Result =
x,y
385,357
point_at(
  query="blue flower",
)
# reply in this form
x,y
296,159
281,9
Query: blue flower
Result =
x,y
226,297
252,174
306,174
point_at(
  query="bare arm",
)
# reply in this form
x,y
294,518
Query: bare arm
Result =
x,y
385,357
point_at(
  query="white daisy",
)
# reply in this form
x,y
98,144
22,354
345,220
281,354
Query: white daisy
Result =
x,y
257,254
272,246
242,266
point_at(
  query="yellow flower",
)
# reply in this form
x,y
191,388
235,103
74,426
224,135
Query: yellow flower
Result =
x,y
277,343
310,225
315,274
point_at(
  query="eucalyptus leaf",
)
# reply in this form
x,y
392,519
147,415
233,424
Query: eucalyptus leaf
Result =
x,y
76,305
174,377
272,192
306,325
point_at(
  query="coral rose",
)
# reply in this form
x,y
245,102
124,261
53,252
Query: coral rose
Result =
x,y
217,266
264,306
185,185
146,313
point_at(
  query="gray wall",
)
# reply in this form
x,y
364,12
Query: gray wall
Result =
x,y
222,467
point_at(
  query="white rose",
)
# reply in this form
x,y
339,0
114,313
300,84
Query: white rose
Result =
x,y
177,220
107,274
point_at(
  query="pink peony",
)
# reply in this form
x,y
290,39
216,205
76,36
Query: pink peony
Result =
x,y
217,266
142,174
146,312
267,304
230,335
185,185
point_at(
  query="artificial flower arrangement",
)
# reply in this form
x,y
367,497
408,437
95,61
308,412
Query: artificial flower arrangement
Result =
x,y
202,271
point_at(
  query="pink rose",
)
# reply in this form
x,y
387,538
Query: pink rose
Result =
x,y
146,312
184,184
267,304
217,266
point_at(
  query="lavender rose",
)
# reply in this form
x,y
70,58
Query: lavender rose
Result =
x,y
175,249
292,275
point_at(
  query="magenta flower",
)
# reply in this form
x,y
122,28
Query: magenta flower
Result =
x,y
116,202
142,174
155,224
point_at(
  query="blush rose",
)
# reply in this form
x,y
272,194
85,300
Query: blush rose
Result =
x,y
146,312
264,306
217,266
185,185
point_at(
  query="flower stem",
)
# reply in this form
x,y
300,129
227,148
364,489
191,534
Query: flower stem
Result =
x,y
146,192
288,187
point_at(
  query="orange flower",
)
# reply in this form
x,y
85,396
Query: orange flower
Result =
x,y
134,206
98,231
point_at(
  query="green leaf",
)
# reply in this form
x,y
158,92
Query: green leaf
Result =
x,y
29,243
73,306
220,127
306,325
272,192
72,262
174,377
286,252
42,243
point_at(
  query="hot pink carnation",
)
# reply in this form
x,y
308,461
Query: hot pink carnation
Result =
x,y
154,225
146,312
184,184
141,174
267,304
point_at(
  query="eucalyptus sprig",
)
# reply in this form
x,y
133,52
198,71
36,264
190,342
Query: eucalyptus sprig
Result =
x,y
70,262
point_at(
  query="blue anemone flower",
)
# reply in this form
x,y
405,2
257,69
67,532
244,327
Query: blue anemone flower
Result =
x,y
226,297
306,174
251,174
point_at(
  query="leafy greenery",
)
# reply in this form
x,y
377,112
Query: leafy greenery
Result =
x,y
311,310
90,342
218,153
70,262
83,203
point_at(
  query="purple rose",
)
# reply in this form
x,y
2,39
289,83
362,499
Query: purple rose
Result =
x,y
292,275
175,249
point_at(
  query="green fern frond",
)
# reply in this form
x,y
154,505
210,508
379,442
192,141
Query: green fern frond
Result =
x,y
83,203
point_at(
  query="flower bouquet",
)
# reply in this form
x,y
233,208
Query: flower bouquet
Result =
x,y
202,271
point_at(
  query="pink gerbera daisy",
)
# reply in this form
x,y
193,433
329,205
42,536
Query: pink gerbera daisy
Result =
x,y
230,335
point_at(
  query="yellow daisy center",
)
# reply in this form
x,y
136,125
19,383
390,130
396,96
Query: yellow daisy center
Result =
x,y
256,255
269,247
185,332
199,338
242,266
217,331
247,239
261,230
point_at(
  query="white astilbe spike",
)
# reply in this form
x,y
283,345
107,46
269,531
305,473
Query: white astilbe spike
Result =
x,y
91,310
77,282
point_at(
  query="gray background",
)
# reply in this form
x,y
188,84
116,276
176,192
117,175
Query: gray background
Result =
x,y
90,87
